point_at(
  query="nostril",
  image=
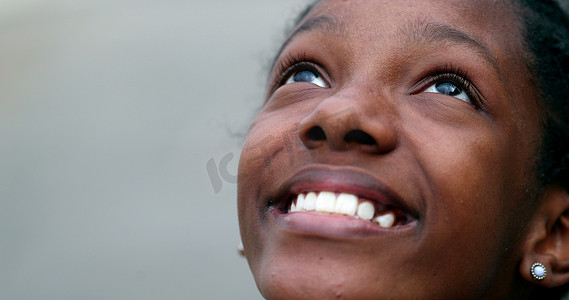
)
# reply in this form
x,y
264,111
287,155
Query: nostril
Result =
x,y
316,133
359,137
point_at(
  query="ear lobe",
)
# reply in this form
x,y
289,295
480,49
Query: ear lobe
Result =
x,y
548,240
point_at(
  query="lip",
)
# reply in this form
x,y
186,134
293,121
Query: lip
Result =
x,y
339,180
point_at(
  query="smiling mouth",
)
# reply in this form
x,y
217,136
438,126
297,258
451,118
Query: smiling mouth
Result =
x,y
350,205
340,202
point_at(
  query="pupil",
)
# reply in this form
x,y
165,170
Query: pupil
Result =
x,y
304,76
448,88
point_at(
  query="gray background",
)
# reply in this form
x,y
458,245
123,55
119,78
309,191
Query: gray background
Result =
x,y
109,113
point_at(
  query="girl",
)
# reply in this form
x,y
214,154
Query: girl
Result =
x,y
412,150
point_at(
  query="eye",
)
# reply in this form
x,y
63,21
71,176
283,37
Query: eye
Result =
x,y
450,89
307,76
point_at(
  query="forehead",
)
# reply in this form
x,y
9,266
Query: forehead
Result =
x,y
496,19
373,7
489,26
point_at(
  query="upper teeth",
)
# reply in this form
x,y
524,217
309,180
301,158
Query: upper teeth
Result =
x,y
344,204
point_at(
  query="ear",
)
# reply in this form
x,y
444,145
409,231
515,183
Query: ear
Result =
x,y
547,241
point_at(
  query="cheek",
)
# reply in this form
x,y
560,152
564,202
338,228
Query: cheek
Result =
x,y
270,142
476,175
268,149
475,165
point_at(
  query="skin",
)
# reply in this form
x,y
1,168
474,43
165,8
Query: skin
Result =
x,y
463,171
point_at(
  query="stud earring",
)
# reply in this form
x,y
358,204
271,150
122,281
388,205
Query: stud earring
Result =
x,y
538,271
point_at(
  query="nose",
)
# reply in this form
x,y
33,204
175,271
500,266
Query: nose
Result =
x,y
344,123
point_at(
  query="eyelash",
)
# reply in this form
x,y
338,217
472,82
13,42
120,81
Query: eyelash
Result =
x,y
289,65
456,76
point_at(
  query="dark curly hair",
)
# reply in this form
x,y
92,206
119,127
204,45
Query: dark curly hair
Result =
x,y
545,27
546,32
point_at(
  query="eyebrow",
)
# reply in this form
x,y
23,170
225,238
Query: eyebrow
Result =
x,y
322,22
433,33
417,31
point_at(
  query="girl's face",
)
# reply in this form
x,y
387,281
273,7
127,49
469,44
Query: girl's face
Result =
x,y
423,116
